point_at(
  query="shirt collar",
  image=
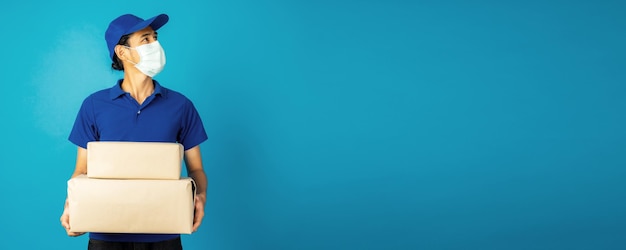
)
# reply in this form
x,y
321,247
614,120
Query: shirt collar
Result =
x,y
116,91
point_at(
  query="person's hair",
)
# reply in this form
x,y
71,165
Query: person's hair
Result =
x,y
117,63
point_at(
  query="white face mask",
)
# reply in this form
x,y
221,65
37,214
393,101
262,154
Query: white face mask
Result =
x,y
151,58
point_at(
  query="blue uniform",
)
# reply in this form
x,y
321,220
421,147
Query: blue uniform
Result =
x,y
113,115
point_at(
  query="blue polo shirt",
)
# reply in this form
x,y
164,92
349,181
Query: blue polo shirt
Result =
x,y
113,115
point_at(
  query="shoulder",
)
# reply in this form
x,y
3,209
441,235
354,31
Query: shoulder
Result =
x,y
175,96
102,94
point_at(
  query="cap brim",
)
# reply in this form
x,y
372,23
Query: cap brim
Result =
x,y
154,22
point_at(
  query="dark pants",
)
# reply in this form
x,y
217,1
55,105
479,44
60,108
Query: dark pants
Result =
x,y
173,244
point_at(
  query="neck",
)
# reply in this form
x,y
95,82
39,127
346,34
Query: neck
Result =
x,y
139,86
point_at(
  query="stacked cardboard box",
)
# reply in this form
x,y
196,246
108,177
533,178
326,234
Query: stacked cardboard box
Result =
x,y
132,187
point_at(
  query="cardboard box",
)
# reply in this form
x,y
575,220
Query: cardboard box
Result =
x,y
134,160
130,206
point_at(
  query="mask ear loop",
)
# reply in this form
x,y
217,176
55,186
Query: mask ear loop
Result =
x,y
127,59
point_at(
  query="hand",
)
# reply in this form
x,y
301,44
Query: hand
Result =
x,y
198,212
65,222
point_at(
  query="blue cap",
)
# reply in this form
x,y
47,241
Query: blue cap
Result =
x,y
128,24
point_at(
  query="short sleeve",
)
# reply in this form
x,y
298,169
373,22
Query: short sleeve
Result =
x,y
84,129
192,132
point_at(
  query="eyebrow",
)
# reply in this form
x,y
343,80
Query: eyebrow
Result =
x,y
149,33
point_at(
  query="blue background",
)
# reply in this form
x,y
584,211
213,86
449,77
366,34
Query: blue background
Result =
x,y
347,124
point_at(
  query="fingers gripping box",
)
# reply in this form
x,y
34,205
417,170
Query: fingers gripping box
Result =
x,y
131,206
134,160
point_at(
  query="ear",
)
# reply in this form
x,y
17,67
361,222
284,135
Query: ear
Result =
x,y
120,51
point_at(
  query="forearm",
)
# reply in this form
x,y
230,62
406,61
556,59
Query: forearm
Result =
x,y
199,177
81,165
193,160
